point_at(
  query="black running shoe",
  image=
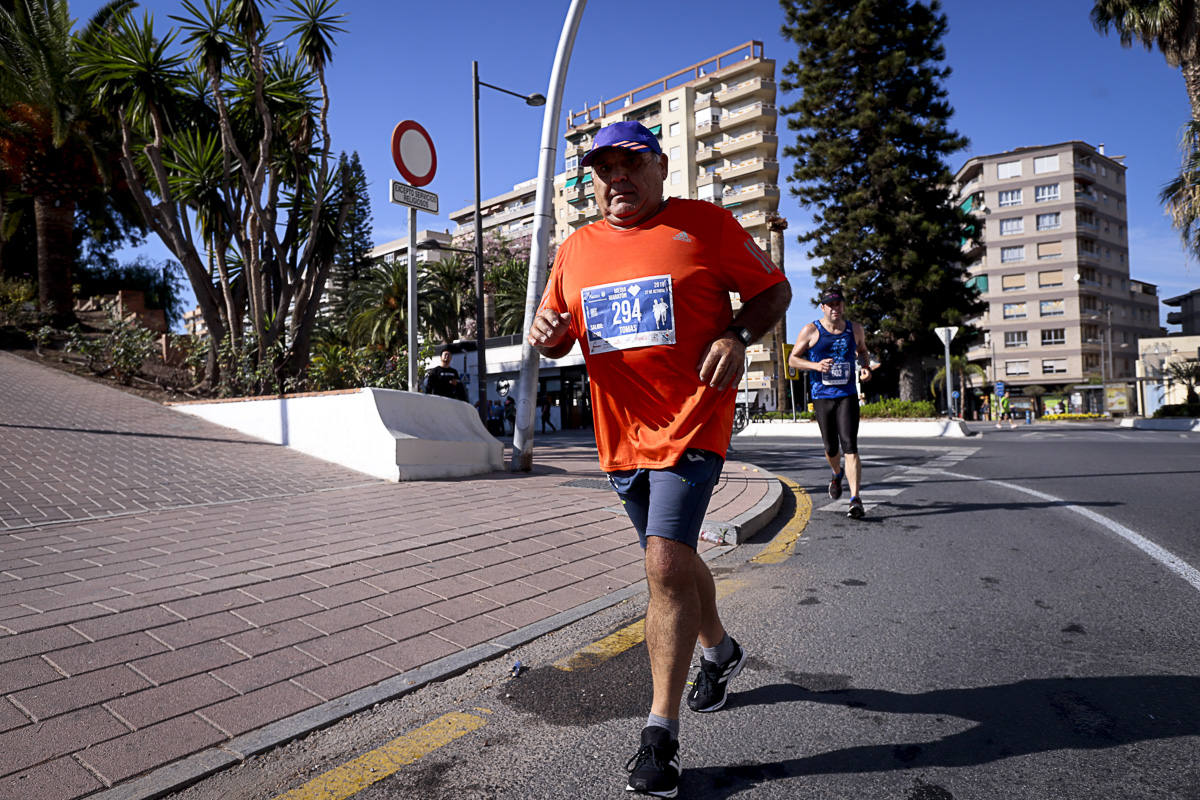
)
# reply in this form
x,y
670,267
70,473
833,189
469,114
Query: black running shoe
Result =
x,y
835,486
654,768
708,693
856,509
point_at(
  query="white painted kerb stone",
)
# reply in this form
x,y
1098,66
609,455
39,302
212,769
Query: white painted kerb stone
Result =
x,y
394,435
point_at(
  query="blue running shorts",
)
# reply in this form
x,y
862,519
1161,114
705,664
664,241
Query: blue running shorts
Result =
x,y
671,502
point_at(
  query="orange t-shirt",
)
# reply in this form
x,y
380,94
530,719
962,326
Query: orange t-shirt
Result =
x,y
646,303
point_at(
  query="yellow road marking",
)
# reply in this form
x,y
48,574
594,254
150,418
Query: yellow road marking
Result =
x,y
784,543
604,649
352,777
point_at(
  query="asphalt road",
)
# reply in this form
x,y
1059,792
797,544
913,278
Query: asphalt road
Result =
x,y
1015,618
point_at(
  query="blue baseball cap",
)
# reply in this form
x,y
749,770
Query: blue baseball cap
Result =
x,y
627,135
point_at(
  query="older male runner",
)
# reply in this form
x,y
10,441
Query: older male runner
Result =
x,y
646,292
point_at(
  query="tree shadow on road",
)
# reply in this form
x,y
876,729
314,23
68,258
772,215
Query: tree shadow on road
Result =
x,y
1030,716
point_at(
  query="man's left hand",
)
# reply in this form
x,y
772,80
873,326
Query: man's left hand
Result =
x,y
724,362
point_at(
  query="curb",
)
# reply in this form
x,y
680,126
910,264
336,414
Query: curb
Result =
x,y
179,774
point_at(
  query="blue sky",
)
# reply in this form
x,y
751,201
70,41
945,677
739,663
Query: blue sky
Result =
x,y
1025,72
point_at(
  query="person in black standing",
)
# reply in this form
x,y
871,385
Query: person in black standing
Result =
x,y
444,380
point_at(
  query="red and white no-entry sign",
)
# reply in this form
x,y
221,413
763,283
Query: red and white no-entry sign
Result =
x,y
412,150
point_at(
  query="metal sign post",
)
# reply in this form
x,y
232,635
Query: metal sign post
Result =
x,y
946,334
415,157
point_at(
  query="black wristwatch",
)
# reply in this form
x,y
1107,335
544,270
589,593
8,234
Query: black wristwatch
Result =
x,y
744,336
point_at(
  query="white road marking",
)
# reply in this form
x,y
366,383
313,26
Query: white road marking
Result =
x,y
1165,557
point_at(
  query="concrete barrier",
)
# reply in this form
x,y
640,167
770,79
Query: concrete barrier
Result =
x,y
394,435
1162,424
915,428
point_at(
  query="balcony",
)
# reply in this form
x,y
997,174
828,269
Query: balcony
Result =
x,y
752,219
754,87
573,194
703,100
747,141
748,193
706,178
758,111
704,154
748,167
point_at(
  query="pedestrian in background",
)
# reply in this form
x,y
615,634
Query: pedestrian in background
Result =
x,y
834,350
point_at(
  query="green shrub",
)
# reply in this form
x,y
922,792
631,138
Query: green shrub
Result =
x,y
17,297
893,408
1178,410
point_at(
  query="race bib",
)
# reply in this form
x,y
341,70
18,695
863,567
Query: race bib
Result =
x,y
636,313
839,374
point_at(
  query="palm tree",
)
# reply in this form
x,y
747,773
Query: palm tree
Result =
x,y
1174,27
959,367
508,283
379,307
1187,373
1171,25
447,292
50,130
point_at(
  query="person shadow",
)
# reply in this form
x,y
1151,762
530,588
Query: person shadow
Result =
x,y
1029,716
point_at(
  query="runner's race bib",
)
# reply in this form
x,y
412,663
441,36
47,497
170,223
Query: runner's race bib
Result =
x,y
636,313
838,375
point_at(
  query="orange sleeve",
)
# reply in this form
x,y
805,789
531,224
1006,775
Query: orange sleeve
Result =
x,y
747,268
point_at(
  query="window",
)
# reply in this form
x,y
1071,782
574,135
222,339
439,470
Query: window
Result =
x,y
1014,311
1016,339
1050,250
675,152
1008,169
1013,226
1054,336
1010,198
1087,246
1008,254
1049,222
1051,277
673,104
674,129
1052,308
1045,164
1053,366
1045,193
572,162
676,177
1012,283
1016,367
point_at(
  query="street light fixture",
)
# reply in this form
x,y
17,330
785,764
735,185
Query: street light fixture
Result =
x,y
480,322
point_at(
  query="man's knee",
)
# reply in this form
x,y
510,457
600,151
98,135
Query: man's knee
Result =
x,y
670,565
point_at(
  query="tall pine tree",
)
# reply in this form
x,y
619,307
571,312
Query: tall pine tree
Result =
x,y
871,148
350,262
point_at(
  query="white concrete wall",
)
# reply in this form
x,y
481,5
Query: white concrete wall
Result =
x,y
394,435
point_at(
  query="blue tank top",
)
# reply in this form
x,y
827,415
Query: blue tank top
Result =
x,y
839,381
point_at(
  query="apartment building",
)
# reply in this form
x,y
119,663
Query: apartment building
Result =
x,y
716,121
1052,262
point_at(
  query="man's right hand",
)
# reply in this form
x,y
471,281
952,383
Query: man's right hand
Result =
x,y
549,328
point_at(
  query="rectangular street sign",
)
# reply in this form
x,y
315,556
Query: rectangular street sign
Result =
x,y
405,195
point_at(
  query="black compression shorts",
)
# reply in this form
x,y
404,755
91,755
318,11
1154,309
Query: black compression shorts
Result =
x,y
837,417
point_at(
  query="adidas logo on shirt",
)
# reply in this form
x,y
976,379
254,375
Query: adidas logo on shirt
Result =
x,y
682,237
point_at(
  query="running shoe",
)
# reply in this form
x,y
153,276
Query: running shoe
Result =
x,y
708,693
856,509
654,768
835,486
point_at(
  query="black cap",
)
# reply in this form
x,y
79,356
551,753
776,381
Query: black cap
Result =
x,y
833,295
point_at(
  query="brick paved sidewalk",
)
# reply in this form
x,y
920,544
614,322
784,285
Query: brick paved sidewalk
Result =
x,y
175,596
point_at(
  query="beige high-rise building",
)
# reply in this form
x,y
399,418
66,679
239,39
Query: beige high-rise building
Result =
x,y
1052,262
716,121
